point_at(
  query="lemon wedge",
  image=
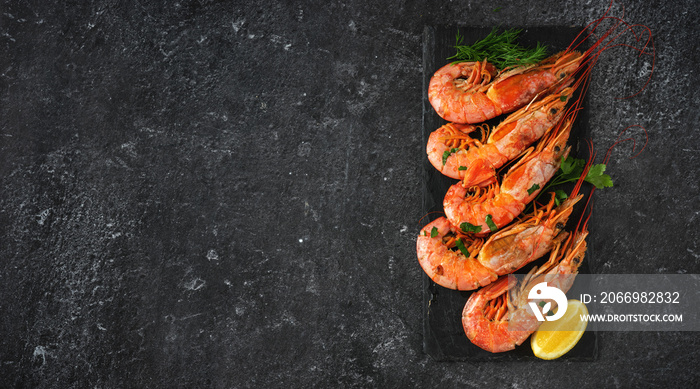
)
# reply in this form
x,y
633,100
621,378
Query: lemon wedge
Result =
x,y
555,338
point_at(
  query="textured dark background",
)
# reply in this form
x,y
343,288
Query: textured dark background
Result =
x,y
227,194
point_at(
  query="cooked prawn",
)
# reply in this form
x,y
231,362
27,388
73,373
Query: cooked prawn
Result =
x,y
479,98
457,155
498,317
488,209
445,263
520,243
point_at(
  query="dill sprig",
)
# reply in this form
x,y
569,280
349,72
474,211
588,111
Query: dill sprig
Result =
x,y
500,49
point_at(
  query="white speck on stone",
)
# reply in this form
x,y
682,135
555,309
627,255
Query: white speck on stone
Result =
x,y
40,351
212,255
403,229
237,24
301,240
276,39
288,46
304,149
43,215
645,70
195,284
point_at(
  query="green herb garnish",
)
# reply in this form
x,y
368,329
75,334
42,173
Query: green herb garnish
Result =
x,y
434,232
542,304
571,170
500,49
490,223
533,188
447,153
461,168
559,196
468,227
460,246
596,177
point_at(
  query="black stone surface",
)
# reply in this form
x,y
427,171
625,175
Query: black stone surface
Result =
x,y
222,194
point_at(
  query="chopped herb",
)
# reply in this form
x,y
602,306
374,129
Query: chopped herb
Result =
x,y
490,223
447,153
559,196
563,98
500,49
497,9
533,188
462,168
468,227
460,246
550,313
541,304
434,232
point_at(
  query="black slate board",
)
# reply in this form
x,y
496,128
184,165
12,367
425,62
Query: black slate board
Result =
x,y
444,337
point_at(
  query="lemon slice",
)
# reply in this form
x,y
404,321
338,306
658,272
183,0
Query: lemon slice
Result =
x,y
551,341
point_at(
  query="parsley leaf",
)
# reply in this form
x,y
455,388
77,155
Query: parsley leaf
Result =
x,y
461,168
533,188
434,232
461,247
446,155
559,196
468,227
596,177
571,170
490,223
